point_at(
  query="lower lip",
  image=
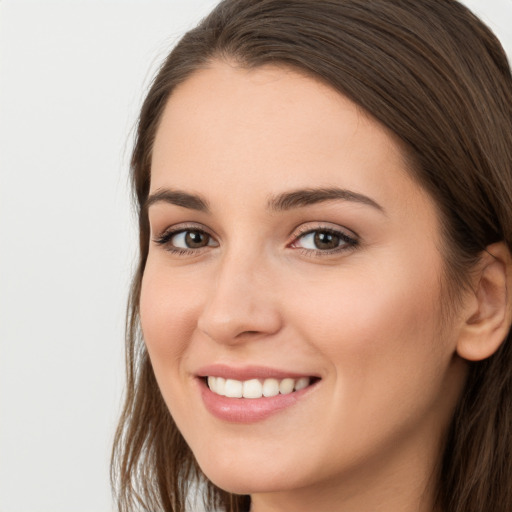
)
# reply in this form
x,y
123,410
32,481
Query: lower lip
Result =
x,y
248,410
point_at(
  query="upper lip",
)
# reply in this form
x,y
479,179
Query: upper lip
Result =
x,y
248,372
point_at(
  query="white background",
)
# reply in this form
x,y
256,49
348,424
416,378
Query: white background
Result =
x,y
72,76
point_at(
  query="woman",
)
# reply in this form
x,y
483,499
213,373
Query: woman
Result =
x,y
323,293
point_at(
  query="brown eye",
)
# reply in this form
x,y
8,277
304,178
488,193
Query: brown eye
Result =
x,y
186,240
196,239
325,240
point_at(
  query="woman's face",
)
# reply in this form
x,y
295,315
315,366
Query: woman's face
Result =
x,y
289,248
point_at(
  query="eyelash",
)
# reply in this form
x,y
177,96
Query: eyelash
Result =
x,y
165,239
347,242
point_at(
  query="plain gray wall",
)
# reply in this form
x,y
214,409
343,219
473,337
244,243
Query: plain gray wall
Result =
x,y
72,76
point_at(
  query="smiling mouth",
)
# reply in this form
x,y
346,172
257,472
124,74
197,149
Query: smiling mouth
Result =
x,y
257,388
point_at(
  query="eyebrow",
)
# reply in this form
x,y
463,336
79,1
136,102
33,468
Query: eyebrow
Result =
x,y
311,196
282,202
178,198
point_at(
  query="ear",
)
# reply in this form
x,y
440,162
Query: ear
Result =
x,y
489,311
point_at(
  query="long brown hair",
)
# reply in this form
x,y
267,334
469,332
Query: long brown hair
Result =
x,y
437,77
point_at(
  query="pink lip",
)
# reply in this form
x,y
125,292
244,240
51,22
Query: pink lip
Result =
x,y
247,410
247,372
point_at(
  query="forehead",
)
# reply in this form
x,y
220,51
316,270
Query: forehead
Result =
x,y
261,130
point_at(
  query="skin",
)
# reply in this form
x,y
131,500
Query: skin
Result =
x,y
365,319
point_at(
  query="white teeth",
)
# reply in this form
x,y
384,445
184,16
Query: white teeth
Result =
x,y
256,388
218,384
302,383
270,387
252,389
286,386
233,388
221,384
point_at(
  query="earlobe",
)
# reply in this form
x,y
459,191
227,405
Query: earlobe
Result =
x,y
489,315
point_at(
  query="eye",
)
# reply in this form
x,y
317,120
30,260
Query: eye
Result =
x,y
324,240
185,240
190,239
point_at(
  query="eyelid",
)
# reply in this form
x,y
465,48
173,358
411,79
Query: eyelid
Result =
x,y
349,239
309,227
164,237
185,226
348,236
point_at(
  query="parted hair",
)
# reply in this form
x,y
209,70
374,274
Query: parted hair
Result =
x,y
438,78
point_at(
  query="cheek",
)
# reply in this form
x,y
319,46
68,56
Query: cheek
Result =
x,y
388,364
370,302
377,326
168,313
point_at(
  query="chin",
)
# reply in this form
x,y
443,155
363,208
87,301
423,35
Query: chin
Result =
x,y
248,484
249,480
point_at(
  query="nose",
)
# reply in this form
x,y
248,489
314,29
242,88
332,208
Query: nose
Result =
x,y
241,302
